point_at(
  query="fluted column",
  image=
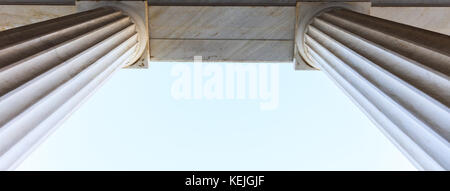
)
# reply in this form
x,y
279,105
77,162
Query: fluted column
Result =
x,y
397,74
47,69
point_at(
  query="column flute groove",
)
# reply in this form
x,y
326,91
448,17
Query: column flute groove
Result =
x,y
399,76
47,69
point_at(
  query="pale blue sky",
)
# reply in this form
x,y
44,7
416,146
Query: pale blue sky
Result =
x,y
133,123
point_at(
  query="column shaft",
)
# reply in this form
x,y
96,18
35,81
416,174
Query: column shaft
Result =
x,y
48,68
398,74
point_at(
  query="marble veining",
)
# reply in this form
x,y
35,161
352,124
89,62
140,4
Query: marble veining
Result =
x,y
18,15
435,19
200,22
222,50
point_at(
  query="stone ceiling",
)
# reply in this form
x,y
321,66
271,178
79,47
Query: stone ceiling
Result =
x,y
244,2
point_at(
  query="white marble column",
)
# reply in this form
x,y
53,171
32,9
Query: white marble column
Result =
x,y
47,69
397,74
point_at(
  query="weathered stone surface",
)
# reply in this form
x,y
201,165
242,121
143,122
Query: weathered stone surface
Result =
x,y
37,2
227,23
222,50
223,2
386,3
223,33
200,22
410,3
292,2
18,15
436,19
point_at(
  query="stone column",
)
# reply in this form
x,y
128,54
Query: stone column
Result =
x,y
47,69
397,74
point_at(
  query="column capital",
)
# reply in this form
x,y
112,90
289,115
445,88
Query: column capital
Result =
x,y
138,12
306,11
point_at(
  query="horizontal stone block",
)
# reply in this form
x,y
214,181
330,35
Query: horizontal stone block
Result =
x,y
435,19
16,15
207,22
222,50
223,2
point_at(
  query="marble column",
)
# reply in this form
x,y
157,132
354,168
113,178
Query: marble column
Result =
x,y
47,69
397,74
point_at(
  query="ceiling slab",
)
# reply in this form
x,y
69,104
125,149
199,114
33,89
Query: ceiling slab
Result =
x,y
37,2
222,33
377,3
268,23
222,50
